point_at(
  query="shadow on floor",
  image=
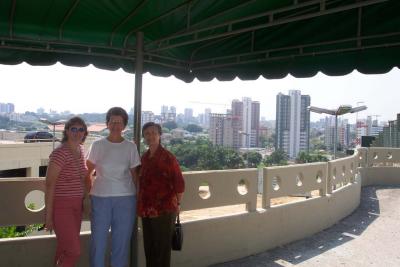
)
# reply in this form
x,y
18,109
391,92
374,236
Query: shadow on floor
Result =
x,y
345,230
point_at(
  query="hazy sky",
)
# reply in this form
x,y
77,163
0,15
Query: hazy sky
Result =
x,y
89,89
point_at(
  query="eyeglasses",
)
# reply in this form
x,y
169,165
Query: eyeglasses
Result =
x,y
76,129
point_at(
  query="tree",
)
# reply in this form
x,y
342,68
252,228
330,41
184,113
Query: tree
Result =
x,y
253,159
176,141
278,157
233,160
201,154
170,125
303,157
193,128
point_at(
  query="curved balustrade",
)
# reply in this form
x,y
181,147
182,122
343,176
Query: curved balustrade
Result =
x,y
295,179
229,187
224,238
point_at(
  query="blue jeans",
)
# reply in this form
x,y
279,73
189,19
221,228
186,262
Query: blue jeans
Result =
x,y
118,213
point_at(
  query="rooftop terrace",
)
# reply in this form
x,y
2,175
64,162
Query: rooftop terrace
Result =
x,y
338,187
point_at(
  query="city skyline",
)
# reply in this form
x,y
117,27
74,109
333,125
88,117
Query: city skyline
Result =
x,y
87,90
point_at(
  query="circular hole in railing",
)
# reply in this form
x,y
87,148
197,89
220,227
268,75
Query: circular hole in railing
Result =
x,y
242,187
318,178
360,157
389,155
204,190
34,201
343,170
276,183
299,179
375,156
334,173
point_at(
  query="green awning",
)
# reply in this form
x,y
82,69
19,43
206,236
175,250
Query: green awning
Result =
x,y
206,39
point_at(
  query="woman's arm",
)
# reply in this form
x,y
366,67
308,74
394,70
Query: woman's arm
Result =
x,y
53,171
89,176
135,176
178,181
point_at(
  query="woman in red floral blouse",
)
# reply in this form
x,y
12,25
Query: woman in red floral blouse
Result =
x,y
161,186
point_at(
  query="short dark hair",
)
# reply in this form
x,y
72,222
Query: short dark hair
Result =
x,y
150,124
117,111
73,121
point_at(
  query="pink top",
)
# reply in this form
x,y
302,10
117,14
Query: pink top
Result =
x,y
70,180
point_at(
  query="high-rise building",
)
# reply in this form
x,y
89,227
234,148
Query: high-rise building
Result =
x,y
168,114
390,135
207,113
216,131
164,109
292,123
7,108
188,115
343,133
248,112
224,130
255,124
147,116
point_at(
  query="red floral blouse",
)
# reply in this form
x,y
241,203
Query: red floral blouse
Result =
x,y
159,181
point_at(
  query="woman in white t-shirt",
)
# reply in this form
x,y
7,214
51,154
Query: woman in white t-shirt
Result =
x,y
113,191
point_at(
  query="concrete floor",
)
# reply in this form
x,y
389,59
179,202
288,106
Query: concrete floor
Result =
x,y
370,236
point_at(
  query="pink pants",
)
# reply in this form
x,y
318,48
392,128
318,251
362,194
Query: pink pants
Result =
x,y
67,218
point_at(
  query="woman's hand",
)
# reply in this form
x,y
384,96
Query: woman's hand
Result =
x,y
86,206
48,225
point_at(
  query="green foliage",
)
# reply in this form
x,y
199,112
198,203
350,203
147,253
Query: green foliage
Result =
x,y
278,157
253,159
170,125
303,157
18,231
8,231
193,128
165,130
176,141
202,155
317,143
267,141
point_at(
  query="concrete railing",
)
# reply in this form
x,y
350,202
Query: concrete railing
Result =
x,y
224,238
208,189
381,166
291,180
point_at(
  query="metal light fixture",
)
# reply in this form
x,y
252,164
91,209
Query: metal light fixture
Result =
x,y
341,110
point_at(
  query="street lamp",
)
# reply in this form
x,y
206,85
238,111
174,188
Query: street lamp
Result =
x,y
341,110
54,123
247,135
358,137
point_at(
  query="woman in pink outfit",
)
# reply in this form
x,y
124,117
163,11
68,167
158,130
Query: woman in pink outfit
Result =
x,y
65,191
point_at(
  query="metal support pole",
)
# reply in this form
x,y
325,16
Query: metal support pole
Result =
x,y
137,129
335,138
138,89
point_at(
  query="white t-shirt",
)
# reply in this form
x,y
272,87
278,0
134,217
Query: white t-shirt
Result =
x,y
113,162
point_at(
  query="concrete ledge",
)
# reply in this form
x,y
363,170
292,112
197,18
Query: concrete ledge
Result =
x,y
233,237
380,176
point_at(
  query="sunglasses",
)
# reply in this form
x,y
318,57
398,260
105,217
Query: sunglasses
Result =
x,y
76,129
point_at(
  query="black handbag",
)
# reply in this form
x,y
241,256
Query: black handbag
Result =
x,y
177,236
